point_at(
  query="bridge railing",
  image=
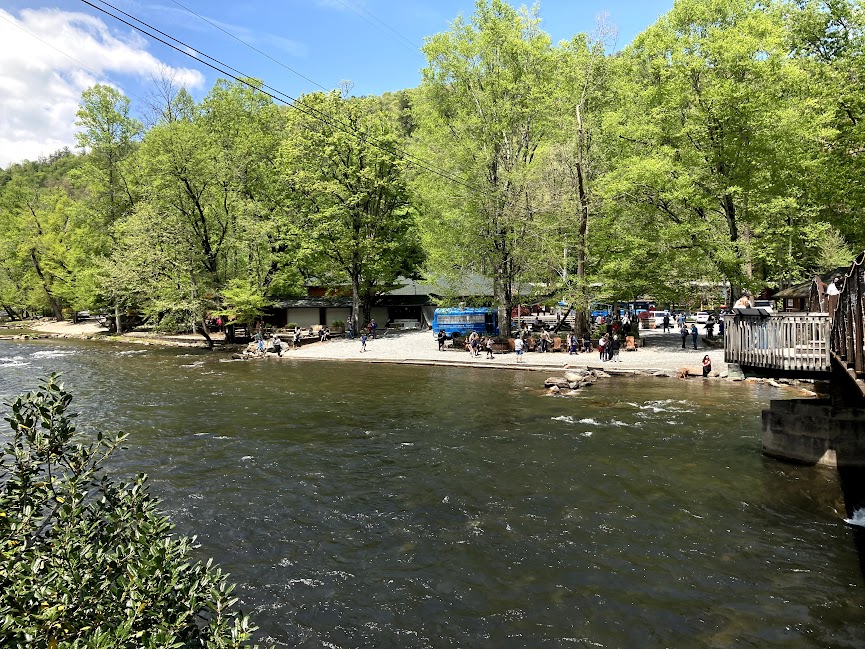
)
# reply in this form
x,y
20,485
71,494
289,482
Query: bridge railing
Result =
x,y
789,342
849,319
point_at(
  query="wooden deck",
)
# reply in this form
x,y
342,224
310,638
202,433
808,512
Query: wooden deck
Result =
x,y
789,342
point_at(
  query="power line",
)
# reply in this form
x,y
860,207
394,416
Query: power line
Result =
x,y
363,13
277,95
249,45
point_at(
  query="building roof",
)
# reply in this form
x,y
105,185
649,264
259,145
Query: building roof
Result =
x,y
342,302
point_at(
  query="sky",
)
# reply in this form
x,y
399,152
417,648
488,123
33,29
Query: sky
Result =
x,y
52,50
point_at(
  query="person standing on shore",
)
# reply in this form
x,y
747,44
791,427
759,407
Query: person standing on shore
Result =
x,y
518,349
372,327
489,346
277,345
684,333
363,341
441,337
694,334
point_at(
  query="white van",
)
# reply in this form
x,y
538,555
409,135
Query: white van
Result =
x,y
659,317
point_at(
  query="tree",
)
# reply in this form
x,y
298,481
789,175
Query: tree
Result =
x,y
571,165
89,561
108,134
716,134
484,109
211,205
341,159
45,252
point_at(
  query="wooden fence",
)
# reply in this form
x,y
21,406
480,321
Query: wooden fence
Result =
x,y
789,342
849,319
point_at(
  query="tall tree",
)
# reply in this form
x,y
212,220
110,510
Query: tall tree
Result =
x,y
484,109
108,134
342,161
715,133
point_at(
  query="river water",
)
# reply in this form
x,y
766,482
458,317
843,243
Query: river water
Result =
x,y
366,505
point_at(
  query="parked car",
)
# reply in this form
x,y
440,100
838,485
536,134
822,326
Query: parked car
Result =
x,y
701,317
659,318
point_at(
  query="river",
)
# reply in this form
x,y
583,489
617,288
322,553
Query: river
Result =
x,y
369,505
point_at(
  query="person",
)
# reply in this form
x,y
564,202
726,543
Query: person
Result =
x,y
602,343
707,365
615,345
684,333
518,349
475,341
295,338
721,324
744,302
489,346
694,334
372,327
587,344
441,338
572,344
666,322
277,345
323,334
349,329
546,341
710,326
834,286
363,336
680,321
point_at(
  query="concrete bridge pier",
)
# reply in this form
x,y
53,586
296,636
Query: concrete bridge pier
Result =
x,y
827,432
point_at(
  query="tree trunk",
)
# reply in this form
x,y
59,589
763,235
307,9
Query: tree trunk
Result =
x,y
13,315
56,309
355,305
581,321
117,320
204,332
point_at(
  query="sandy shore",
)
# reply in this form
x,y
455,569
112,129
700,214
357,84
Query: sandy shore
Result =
x,y
660,351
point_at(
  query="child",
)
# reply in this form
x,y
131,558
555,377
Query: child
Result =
x,y
489,346
363,341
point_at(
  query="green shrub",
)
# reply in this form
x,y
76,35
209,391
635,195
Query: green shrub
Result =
x,y
86,561
291,325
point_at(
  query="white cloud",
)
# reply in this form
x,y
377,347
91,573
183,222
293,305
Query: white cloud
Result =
x,y
41,85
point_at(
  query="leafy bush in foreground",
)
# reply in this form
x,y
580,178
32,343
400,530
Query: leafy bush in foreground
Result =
x,y
86,561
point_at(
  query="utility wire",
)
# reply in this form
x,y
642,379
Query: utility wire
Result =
x,y
363,13
276,94
249,45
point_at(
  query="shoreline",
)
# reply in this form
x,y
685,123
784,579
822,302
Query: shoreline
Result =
x,y
661,355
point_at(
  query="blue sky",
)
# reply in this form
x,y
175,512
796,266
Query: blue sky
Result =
x,y
51,51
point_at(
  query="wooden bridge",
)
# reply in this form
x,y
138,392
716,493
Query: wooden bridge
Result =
x,y
825,342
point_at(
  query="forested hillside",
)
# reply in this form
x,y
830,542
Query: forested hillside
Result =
x,y
725,144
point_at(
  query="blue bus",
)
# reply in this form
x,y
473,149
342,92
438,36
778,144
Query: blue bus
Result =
x,y
464,320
